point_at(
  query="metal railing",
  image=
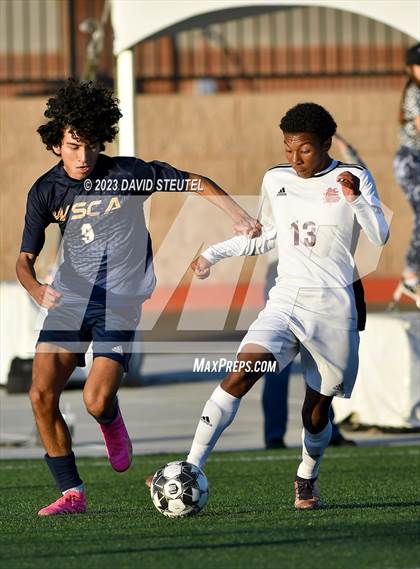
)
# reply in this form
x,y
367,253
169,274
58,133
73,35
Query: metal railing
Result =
x,y
41,43
299,42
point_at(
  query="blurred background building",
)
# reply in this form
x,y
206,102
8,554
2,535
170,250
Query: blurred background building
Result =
x,y
42,42
209,100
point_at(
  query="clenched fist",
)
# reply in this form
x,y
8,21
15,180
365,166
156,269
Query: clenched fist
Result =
x,y
247,225
201,267
45,296
349,185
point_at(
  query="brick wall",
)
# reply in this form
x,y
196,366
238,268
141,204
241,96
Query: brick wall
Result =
x,y
231,138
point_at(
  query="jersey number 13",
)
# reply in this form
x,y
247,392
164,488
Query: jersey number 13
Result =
x,y
308,232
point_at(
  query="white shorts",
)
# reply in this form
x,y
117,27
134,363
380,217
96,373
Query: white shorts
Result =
x,y
330,356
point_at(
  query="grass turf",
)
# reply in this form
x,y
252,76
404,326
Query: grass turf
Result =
x,y
371,521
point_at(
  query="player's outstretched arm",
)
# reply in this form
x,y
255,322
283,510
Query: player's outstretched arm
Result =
x,y
363,198
238,246
43,294
243,223
201,267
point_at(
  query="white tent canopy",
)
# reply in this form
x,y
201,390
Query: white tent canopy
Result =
x,y
137,20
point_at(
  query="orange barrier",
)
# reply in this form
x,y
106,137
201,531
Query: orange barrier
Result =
x,y
213,296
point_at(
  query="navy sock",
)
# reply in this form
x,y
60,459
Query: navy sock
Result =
x,y
109,420
64,471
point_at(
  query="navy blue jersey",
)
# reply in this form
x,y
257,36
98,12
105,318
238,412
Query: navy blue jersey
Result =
x,y
105,242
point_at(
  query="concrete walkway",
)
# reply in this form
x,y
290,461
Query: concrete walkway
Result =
x,y
161,418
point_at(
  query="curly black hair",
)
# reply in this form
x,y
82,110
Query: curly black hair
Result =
x,y
309,117
88,109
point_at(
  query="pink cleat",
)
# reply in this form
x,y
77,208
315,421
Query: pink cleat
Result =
x,y
118,444
72,502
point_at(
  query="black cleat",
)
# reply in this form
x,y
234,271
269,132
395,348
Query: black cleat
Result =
x,y
340,441
307,495
275,444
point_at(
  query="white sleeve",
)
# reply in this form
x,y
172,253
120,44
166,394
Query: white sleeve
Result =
x,y
242,245
368,210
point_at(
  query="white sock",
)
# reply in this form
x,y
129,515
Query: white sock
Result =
x,y
312,451
80,488
218,413
412,281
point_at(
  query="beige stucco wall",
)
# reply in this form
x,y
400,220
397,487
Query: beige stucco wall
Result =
x,y
232,138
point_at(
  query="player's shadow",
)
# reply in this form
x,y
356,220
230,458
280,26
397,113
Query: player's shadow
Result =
x,y
222,512
340,538
24,487
363,505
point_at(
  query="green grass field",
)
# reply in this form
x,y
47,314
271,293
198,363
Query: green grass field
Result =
x,y
372,519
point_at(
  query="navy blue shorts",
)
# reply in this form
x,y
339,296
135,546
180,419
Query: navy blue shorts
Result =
x,y
110,331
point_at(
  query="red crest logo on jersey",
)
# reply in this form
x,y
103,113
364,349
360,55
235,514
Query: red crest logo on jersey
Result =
x,y
332,195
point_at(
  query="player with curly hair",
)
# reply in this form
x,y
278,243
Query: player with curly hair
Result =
x,y
106,272
313,209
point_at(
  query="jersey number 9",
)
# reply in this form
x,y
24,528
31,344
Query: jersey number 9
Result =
x,y
88,234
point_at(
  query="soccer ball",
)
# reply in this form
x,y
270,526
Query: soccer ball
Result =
x,y
179,489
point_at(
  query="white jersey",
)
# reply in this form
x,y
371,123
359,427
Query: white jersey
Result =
x,y
315,230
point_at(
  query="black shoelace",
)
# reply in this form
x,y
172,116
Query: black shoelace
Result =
x,y
305,488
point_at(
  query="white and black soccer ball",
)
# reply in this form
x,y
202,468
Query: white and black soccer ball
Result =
x,y
179,489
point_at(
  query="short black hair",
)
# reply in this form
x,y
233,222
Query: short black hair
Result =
x,y
309,117
412,56
88,109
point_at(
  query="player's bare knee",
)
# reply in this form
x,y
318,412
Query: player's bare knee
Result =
x,y
43,400
315,411
249,368
96,405
238,383
96,409
315,418
91,401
